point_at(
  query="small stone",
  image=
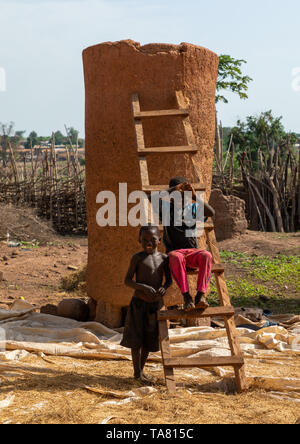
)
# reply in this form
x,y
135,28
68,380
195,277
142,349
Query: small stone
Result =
x,y
73,309
49,309
71,267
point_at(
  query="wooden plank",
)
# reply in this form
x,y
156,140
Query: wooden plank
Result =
x,y
220,279
139,132
145,182
205,361
234,343
148,189
232,334
190,137
193,314
169,150
166,354
182,104
140,141
160,113
181,101
144,172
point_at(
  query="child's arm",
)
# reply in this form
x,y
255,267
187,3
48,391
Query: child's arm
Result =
x,y
208,210
148,293
168,278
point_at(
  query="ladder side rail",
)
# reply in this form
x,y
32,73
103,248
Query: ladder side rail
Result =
x,y
166,354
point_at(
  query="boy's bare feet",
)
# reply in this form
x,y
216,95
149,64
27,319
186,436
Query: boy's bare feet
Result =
x,y
188,302
146,378
142,378
201,301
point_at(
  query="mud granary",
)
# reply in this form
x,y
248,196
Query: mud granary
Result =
x,y
114,71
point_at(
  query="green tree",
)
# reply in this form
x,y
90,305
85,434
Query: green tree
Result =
x,y
60,139
231,78
32,140
72,134
81,143
263,132
6,131
18,137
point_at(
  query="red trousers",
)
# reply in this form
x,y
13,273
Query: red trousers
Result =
x,y
180,260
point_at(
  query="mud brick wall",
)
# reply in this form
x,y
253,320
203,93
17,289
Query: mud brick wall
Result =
x,y
230,217
113,71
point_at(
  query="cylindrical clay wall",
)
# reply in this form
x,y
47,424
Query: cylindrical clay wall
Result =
x,y
113,72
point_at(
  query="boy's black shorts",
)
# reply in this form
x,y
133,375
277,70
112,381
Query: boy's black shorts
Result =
x,y
141,325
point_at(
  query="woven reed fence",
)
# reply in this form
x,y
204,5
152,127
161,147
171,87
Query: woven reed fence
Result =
x,y
55,189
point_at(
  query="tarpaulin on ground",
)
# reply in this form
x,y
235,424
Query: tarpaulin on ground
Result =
x,y
21,328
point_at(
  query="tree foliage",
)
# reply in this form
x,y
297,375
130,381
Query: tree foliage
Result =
x,y
263,132
231,78
6,132
32,140
59,138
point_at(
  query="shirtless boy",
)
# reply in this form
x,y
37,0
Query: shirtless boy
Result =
x,y
152,279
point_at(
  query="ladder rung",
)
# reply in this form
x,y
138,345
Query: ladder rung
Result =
x,y
169,150
161,113
196,313
205,361
149,188
216,268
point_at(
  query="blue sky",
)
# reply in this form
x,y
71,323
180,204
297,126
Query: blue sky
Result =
x,y
41,42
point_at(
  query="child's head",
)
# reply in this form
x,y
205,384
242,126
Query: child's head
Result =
x,y
177,181
149,237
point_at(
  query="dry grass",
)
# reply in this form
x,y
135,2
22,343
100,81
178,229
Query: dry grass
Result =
x,y
75,281
55,394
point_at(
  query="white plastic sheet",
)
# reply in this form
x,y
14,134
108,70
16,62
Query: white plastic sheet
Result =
x,y
27,331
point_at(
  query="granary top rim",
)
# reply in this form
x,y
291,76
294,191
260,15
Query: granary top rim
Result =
x,y
151,48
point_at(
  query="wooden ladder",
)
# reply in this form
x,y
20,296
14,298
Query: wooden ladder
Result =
x,y
225,311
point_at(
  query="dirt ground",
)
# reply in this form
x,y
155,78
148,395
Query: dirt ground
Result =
x,y
24,225
34,273
264,244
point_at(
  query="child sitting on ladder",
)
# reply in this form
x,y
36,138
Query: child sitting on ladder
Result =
x,y
150,268
184,253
